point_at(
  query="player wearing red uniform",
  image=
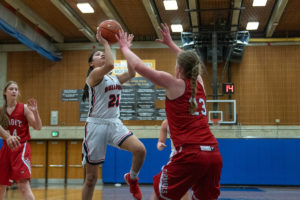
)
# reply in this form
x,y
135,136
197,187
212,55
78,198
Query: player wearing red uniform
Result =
x,y
15,154
197,163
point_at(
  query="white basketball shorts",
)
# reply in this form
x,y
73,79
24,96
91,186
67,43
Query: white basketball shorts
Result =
x,y
98,134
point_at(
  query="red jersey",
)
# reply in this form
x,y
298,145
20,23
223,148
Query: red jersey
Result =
x,y
18,124
184,127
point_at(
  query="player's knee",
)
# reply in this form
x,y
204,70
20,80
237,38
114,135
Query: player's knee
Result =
x,y
140,151
2,192
23,189
91,180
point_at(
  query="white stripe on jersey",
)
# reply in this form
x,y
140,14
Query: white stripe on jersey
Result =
x,y
26,161
104,98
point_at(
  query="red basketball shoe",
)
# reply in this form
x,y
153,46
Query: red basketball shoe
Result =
x,y
134,186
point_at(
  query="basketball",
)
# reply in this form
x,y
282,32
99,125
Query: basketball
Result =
x,y
108,29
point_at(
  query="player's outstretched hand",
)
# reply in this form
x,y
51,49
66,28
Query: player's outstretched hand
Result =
x,y
129,40
124,39
166,36
161,145
32,105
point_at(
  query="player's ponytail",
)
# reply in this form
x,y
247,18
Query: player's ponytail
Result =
x,y
191,64
85,94
193,101
4,120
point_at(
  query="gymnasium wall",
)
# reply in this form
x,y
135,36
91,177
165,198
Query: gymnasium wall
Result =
x,y
267,85
266,82
266,89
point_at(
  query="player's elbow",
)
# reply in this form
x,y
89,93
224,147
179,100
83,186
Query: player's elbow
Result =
x,y
132,74
110,66
37,127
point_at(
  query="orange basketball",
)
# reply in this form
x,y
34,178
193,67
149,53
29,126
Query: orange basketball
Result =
x,y
108,29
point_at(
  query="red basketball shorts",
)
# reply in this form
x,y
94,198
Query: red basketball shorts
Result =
x,y
15,164
191,167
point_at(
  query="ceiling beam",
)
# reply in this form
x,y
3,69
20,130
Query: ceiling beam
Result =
x,y
194,16
111,12
67,10
152,15
86,46
236,15
17,28
142,45
36,19
275,18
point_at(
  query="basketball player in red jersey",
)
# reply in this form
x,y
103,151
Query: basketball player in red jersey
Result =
x,y
197,163
164,131
15,154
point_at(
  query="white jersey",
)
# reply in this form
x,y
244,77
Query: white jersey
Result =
x,y
104,98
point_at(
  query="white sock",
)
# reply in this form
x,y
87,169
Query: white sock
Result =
x,y
133,174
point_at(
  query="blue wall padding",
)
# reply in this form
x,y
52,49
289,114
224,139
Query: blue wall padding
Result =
x,y
245,162
260,161
118,162
14,33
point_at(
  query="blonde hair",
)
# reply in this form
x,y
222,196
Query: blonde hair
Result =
x,y
4,120
192,67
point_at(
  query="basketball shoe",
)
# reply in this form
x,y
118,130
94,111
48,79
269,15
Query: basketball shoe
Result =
x,y
134,186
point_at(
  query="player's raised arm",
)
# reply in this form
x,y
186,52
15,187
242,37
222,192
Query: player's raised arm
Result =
x,y
167,39
160,78
131,72
32,114
102,62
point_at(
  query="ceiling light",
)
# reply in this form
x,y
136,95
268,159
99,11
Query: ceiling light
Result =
x,y
176,28
259,3
170,5
85,7
252,25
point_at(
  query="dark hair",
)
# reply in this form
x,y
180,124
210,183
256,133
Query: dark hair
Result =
x,y
4,120
192,67
85,94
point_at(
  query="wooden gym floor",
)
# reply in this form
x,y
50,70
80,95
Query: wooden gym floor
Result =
x,y
111,192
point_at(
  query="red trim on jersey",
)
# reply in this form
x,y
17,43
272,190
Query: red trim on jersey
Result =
x,y
93,101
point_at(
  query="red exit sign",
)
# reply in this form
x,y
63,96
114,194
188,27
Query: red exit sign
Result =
x,y
228,88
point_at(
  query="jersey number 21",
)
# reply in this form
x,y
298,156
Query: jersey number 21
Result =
x,y
113,100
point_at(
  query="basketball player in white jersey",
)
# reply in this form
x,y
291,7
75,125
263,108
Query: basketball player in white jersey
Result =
x,y
103,125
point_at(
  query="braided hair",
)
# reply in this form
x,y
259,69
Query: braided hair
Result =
x,y
192,67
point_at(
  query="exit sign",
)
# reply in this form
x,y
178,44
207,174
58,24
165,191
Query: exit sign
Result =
x,y
54,133
228,88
